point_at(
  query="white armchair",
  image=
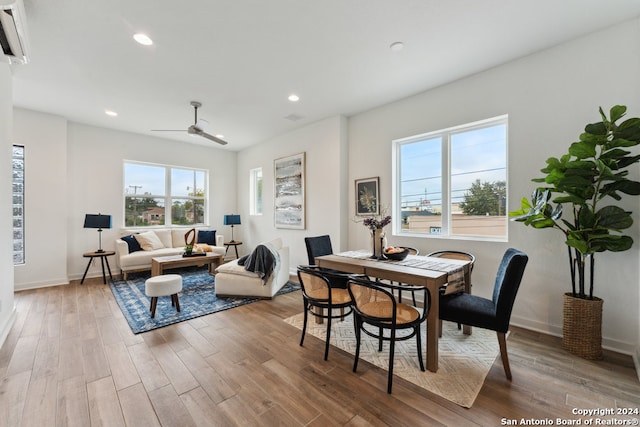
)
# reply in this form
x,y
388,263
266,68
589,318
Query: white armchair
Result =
x,y
233,280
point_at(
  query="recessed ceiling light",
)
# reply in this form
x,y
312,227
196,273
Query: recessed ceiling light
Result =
x,y
143,39
111,113
294,98
396,46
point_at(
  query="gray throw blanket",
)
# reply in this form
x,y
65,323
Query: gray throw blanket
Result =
x,y
261,261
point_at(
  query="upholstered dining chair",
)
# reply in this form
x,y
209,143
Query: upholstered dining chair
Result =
x,y
374,304
495,313
320,299
319,246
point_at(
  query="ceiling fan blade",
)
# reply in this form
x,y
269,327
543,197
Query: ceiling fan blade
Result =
x,y
167,130
195,131
213,138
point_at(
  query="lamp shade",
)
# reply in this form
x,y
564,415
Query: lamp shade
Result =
x,y
97,221
231,219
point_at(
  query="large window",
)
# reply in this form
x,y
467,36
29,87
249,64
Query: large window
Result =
x,y
255,191
164,195
453,182
18,204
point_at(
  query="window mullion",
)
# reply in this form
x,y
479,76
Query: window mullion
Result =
x,y
168,203
446,184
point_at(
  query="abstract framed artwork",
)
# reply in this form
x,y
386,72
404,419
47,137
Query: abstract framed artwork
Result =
x,y
367,202
289,197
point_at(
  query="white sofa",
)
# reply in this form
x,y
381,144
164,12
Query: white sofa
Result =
x,y
233,280
172,242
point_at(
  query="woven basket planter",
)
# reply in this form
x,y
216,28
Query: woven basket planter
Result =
x,y
582,326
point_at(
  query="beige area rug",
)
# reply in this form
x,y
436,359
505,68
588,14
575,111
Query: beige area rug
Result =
x,y
464,361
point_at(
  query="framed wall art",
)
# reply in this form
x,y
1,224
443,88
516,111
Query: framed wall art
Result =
x,y
289,197
367,202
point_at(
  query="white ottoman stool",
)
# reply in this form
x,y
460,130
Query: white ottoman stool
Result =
x,y
159,286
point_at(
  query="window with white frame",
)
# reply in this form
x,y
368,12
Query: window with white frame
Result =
x,y
453,182
255,191
18,204
161,195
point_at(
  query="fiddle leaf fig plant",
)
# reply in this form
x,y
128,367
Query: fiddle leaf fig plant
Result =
x,y
577,190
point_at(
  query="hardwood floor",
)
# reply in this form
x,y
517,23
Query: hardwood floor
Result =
x,y
71,360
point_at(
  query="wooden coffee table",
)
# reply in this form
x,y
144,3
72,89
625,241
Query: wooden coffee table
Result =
x,y
159,264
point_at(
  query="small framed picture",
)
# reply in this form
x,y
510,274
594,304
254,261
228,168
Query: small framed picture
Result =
x,y
367,202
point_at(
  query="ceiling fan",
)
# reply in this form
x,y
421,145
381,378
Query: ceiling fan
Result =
x,y
197,128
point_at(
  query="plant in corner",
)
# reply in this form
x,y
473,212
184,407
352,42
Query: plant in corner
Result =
x,y
584,185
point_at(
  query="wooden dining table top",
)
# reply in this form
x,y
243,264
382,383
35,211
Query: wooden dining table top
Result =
x,y
356,262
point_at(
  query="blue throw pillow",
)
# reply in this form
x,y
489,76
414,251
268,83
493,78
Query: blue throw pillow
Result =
x,y
207,236
133,244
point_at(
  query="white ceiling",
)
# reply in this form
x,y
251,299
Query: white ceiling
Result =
x,y
242,58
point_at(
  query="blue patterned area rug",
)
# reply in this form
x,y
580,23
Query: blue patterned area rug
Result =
x,y
197,299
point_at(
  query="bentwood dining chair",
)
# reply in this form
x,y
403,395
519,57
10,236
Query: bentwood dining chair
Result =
x,y
375,305
464,256
320,299
495,313
445,290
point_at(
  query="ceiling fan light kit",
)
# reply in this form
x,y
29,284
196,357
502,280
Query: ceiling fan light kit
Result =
x,y
197,128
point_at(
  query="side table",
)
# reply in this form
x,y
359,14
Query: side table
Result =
x,y
235,245
103,259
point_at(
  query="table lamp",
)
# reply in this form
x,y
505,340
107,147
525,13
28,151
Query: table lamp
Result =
x,y
98,221
232,220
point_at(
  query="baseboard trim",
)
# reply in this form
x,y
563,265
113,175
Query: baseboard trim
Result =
x,y
37,285
618,346
6,328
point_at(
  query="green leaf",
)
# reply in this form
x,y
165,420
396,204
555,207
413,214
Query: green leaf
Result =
x,y
612,243
616,112
586,218
621,142
582,150
627,161
614,218
628,187
615,153
629,129
578,243
596,128
570,199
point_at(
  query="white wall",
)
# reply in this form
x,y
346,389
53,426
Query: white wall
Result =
x,y
325,148
549,98
44,137
7,312
73,169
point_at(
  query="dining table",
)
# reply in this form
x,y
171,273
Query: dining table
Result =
x,y
430,272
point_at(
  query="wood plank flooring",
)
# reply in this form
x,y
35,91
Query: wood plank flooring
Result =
x,y
71,360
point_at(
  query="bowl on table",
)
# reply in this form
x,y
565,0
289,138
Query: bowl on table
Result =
x,y
395,253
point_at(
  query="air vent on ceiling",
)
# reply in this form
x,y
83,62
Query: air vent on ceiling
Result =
x,y
294,117
13,31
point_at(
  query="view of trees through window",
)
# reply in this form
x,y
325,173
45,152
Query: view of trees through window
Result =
x,y
453,182
163,195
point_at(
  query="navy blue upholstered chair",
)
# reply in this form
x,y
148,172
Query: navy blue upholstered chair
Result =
x,y
319,246
495,313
